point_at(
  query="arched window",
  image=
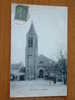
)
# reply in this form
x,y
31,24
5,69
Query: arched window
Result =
x,y
30,42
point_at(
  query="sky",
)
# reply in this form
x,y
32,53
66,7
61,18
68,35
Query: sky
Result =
x,y
50,23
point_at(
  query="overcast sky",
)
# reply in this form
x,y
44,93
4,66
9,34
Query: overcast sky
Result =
x,y
50,23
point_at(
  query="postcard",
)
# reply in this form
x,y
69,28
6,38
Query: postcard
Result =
x,y
38,50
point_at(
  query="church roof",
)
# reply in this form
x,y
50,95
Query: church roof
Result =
x,y
32,29
45,59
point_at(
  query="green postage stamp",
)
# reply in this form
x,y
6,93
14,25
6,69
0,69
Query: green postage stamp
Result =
x,y
21,12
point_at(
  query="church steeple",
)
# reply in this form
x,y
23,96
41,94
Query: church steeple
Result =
x,y
31,53
32,29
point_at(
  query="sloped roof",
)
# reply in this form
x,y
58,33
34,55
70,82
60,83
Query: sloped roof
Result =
x,y
32,29
45,60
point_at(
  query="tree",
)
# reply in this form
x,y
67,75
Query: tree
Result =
x,y
62,67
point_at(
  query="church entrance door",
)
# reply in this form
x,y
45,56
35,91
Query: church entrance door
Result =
x,y
41,73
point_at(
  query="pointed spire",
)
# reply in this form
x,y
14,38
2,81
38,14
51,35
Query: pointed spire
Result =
x,y
32,29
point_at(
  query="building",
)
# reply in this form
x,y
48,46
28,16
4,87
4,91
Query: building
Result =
x,y
36,66
17,72
45,67
31,53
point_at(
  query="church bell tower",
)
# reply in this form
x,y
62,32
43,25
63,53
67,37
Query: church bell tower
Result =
x,y
31,53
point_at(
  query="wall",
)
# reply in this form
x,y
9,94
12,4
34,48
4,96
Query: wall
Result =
x,y
5,35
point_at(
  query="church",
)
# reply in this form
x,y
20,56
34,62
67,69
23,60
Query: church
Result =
x,y
37,66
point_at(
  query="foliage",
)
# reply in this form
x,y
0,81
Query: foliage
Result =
x,y
62,68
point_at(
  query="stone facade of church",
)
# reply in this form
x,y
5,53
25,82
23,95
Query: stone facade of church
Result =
x,y
31,53
36,66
